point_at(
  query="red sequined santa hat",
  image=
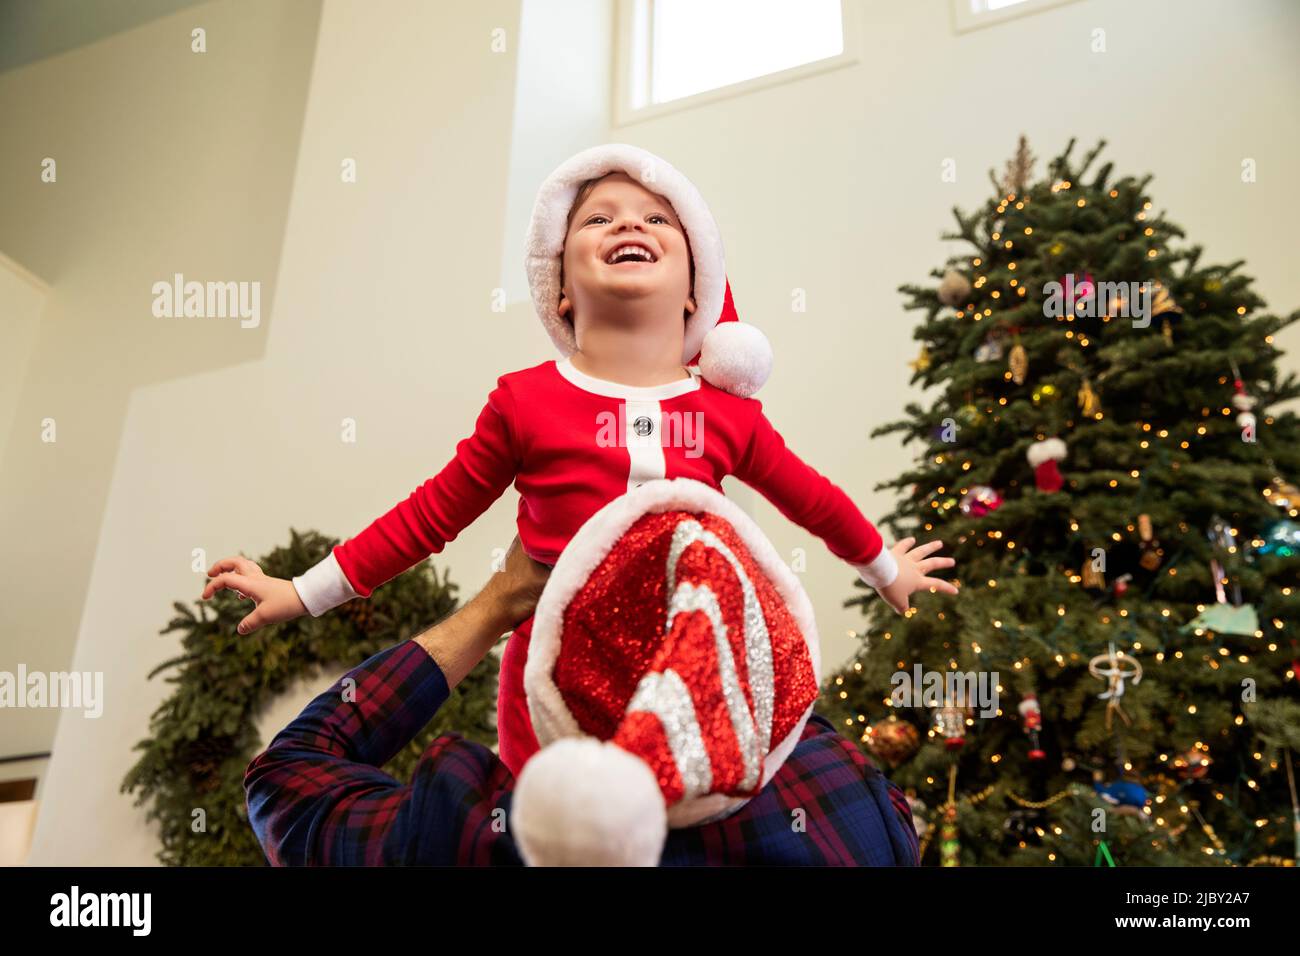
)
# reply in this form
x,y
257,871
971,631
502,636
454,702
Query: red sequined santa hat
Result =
x,y
672,666
731,355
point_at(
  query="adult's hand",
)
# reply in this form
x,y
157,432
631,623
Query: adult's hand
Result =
x,y
460,641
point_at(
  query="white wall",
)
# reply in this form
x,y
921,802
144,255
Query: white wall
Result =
x,y
166,161
22,300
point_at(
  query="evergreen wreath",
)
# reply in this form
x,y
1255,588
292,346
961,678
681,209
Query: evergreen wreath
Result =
x,y
203,736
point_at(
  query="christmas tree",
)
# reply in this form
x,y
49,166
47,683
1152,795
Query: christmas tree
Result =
x,y
1107,464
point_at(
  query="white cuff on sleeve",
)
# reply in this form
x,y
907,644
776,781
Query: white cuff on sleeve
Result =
x,y
324,586
881,571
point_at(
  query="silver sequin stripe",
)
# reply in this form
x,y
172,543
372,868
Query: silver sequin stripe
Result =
x,y
665,695
758,643
755,741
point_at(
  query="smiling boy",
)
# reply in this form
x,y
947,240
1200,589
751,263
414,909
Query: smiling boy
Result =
x,y
628,281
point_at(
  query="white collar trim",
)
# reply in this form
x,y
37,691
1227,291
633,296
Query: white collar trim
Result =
x,y
600,386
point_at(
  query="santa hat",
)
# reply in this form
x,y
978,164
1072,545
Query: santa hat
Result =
x,y
730,354
672,666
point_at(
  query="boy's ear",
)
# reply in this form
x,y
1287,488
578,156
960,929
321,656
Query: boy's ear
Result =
x,y
690,305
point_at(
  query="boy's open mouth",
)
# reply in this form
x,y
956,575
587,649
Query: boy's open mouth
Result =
x,y
633,253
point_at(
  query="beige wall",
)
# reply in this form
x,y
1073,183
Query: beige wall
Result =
x,y
167,161
183,434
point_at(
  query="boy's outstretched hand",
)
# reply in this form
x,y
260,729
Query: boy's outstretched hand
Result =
x,y
914,567
276,599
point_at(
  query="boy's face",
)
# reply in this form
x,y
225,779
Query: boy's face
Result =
x,y
618,211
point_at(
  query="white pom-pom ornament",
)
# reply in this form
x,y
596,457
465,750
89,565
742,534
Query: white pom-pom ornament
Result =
x,y
953,288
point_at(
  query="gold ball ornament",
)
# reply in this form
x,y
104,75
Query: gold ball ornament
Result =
x,y
892,740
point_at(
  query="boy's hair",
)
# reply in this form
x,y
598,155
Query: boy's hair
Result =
x,y
583,192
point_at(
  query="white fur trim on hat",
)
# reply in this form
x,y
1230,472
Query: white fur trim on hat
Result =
x,y
551,718
544,247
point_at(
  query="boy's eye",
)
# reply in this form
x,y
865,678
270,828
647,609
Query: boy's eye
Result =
x,y
595,217
662,218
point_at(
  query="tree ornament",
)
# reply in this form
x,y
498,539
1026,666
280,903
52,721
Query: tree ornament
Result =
x,y
1018,363
1089,400
1043,456
1018,170
954,288
1224,618
1162,302
1125,796
991,349
950,722
922,361
1092,577
1031,716
969,414
1152,555
1193,763
949,841
1281,538
892,740
1116,668
1282,494
980,500
1243,403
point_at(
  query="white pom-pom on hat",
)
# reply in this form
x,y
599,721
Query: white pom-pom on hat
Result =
x,y
586,802
737,358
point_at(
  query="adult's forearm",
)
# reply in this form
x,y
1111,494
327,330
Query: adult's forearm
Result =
x,y
457,643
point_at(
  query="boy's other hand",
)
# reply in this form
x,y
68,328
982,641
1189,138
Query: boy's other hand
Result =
x,y
276,599
914,567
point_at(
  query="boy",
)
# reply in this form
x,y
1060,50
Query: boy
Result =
x,y
628,281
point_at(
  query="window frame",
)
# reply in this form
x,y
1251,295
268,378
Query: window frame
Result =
x,y
964,20
628,60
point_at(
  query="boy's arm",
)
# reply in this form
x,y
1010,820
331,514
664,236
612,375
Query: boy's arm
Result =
x,y
483,468
813,502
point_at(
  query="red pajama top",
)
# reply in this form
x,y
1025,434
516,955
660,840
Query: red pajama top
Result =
x,y
571,443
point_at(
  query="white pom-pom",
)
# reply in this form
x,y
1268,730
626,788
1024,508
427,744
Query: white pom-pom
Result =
x,y
1049,449
736,357
1243,403
583,802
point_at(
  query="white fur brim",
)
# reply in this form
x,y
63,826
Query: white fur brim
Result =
x,y
544,246
551,718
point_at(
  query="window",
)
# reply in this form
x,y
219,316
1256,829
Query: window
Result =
x,y
674,50
973,14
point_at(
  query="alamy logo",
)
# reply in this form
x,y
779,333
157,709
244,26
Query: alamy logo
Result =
x,y
102,909
79,689
208,300
1086,299
669,429
977,690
